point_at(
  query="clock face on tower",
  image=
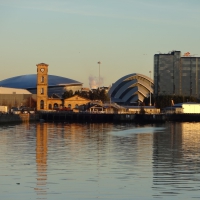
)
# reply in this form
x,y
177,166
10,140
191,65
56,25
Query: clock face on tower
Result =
x,y
42,69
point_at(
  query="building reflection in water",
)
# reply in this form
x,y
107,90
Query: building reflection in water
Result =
x,y
41,158
65,142
176,161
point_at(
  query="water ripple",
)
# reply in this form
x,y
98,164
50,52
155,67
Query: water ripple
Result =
x,y
100,161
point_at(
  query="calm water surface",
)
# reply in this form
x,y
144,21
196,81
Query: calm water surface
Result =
x,y
100,161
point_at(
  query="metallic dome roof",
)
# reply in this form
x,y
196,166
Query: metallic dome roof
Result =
x,y
131,88
30,80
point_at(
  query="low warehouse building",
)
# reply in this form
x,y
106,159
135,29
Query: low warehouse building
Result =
x,y
13,97
143,109
186,108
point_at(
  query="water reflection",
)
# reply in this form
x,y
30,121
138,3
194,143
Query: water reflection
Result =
x,y
176,161
41,158
108,161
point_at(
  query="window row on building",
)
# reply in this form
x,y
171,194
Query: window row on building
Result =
x,y
176,75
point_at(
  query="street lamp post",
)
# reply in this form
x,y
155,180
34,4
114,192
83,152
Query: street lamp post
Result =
x,y
99,72
150,88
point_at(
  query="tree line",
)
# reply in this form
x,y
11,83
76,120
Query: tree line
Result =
x,y
92,94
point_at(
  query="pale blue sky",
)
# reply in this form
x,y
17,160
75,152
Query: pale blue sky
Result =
x,y
73,35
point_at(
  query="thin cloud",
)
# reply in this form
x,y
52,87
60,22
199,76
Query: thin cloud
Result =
x,y
95,11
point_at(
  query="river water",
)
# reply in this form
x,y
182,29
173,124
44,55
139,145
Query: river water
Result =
x,y
100,161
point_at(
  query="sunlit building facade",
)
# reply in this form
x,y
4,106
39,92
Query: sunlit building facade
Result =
x,y
176,75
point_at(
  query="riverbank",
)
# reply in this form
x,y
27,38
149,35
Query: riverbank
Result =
x,y
116,117
99,117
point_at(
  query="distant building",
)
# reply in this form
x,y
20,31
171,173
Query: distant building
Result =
x,y
5,90
44,102
42,88
99,107
85,90
176,75
13,97
104,88
147,109
56,84
186,108
130,89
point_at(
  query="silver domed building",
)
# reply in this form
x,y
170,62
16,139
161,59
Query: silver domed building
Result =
x,y
56,84
131,88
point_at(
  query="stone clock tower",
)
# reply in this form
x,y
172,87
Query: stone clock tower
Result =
x,y
42,86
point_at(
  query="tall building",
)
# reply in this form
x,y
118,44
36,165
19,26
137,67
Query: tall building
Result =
x,y
176,75
42,86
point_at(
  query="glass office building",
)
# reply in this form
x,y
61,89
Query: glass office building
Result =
x,y
176,75
190,76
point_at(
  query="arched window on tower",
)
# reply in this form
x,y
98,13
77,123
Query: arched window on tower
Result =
x,y
42,104
42,91
42,79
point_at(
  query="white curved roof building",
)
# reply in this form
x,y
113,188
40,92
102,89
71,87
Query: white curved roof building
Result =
x,y
131,88
5,90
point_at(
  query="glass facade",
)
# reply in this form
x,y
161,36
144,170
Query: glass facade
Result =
x,y
176,75
190,76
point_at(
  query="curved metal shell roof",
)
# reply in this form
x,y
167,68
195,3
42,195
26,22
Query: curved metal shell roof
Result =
x,y
131,88
29,81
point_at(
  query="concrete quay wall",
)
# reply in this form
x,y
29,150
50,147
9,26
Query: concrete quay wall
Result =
x,y
84,117
7,118
98,117
189,117
150,118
